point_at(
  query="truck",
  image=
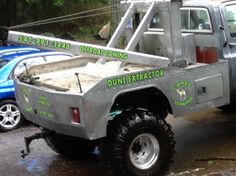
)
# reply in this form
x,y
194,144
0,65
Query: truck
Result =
x,y
180,58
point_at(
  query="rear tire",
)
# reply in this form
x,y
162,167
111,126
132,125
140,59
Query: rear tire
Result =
x,y
69,146
138,143
230,108
10,115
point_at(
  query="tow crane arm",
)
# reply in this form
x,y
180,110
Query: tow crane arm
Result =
x,y
172,35
79,48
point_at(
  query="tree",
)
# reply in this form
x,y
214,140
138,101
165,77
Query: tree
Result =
x,y
15,12
41,9
115,15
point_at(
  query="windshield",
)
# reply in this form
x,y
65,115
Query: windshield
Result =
x,y
230,16
3,62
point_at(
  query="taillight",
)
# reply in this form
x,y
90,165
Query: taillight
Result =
x,y
207,55
75,115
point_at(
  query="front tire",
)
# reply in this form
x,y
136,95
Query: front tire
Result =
x,y
138,143
10,116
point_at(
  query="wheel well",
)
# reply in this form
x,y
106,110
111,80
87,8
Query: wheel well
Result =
x,y
151,99
5,99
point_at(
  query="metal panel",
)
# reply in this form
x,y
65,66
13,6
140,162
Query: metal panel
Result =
x,y
177,84
154,43
189,48
121,27
209,88
141,28
172,31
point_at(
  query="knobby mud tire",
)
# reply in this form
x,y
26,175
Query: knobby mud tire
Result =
x,y
68,146
123,130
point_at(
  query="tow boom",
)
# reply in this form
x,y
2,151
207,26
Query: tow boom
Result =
x,y
79,48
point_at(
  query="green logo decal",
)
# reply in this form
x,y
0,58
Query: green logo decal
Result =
x,y
102,52
28,108
45,114
180,89
42,100
182,84
119,81
26,92
185,102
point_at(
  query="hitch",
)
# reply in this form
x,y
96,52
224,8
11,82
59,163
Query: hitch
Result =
x,y
29,139
3,36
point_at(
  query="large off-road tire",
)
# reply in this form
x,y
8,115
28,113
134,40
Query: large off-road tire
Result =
x,y
10,115
69,146
138,143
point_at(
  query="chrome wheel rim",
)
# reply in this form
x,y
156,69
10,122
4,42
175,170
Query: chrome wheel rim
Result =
x,y
144,151
9,116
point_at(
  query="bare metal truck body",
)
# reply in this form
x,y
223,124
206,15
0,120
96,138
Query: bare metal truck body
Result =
x,y
96,103
174,73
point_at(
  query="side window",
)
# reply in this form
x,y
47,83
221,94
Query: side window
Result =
x,y
29,62
57,58
195,20
185,19
192,20
156,22
230,16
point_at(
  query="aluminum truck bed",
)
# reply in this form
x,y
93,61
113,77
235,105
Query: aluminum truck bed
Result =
x,y
62,76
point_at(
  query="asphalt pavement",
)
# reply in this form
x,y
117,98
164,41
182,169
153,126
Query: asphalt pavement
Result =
x,y
206,146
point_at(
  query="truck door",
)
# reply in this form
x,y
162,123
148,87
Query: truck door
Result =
x,y
228,11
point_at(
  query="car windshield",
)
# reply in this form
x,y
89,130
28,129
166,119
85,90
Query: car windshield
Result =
x,y
230,16
3,62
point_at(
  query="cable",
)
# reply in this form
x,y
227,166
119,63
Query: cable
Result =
x,y
61,17
62,20
58,18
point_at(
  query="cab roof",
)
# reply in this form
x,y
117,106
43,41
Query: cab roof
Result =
x,y
205,2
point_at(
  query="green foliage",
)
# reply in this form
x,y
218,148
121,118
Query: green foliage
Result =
x,y
15,12
87,2
54,2
31,10
58,2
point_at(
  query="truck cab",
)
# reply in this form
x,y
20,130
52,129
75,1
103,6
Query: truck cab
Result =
x,y
208,34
